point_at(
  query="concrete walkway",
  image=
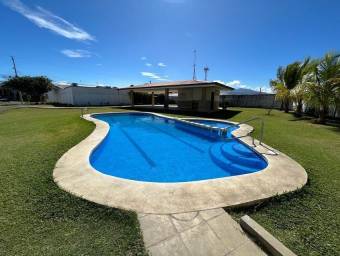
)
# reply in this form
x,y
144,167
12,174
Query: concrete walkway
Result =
x,y
210,232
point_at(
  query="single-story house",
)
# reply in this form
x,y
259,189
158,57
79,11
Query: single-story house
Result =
x,y
81,95
193,95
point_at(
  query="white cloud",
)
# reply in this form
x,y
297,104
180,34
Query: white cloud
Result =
x,y
45,19
62,83
161,64
234,83
99,64
237,84
155,76
143,58
150,75
76,53
148,64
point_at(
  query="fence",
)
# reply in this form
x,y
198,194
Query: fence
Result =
x,y
255,101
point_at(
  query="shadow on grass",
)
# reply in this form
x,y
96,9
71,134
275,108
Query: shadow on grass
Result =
x,y
221,114
331,124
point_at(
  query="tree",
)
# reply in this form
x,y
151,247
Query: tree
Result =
x,y
299,92
32,87
324,84
278,86
289,78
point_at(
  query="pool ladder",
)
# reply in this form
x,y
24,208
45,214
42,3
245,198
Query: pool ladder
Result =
x,y
224,131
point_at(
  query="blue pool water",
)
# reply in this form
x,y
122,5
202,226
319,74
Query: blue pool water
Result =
x,y
145,147
211,123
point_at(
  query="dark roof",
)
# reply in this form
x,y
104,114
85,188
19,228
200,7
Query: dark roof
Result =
x,y
173,84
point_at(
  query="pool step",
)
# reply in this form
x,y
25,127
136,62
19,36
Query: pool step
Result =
x,y
242,149
251,160
225,163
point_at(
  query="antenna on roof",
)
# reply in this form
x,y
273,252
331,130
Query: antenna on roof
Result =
x,y
206,69
194,66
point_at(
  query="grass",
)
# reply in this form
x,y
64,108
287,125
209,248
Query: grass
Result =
x,y
36,217
307,221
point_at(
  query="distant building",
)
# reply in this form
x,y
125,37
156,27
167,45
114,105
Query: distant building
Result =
x,y
8,93
192,95
81,95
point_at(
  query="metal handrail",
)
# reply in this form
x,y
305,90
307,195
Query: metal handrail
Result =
x,y
247,121
83,111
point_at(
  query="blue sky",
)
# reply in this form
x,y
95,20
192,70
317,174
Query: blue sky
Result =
x,y
125,42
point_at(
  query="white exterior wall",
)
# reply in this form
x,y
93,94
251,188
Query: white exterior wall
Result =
x,y
86,96
83,96
61,96
124,97
198,99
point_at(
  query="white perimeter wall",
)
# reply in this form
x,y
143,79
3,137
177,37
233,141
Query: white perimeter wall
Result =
x,y
86,96
61,96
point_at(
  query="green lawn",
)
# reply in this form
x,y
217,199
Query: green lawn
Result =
x,y
307,221
36,217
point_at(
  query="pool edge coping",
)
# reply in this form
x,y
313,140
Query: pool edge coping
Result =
x,y
74,174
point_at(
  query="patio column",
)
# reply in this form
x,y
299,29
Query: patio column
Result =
x,y
166,98
132,98
152,99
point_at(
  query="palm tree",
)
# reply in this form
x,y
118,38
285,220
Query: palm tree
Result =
x,y
278,86
287,79
324,84
299,92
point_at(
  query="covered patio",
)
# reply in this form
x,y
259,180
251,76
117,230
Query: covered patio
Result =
x,y
192,95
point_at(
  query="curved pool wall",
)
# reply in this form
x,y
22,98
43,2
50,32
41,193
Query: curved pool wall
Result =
x,y
145,147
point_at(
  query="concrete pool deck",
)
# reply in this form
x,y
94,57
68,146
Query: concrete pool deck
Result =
x,y
74,173
202,233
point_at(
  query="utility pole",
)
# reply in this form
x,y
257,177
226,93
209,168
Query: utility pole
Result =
x,y
16,75
206,69
194,66
14,67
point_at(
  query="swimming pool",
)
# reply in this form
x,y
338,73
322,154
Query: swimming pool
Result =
x,y
211,123
146,147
